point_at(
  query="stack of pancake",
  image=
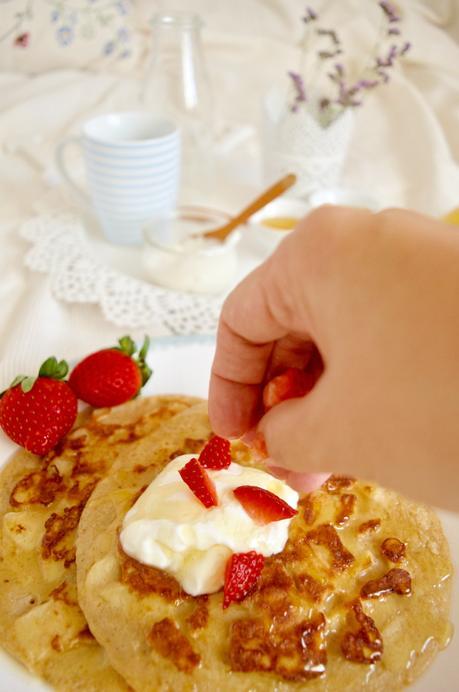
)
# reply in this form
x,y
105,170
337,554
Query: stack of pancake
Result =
x,y
358,598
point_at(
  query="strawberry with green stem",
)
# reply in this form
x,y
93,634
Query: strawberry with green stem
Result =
x,y
36,412
112,376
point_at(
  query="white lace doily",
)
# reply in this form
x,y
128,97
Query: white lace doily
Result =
x,y
62,249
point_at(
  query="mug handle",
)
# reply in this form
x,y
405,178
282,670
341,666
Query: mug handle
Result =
x,y
62,167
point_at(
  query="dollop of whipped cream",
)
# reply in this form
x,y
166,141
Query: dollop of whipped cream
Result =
x,y
169,528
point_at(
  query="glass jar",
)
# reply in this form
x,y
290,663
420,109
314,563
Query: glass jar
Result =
x,y
177,87
176,255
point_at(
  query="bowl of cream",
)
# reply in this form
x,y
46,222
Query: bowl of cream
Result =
x,y
176,254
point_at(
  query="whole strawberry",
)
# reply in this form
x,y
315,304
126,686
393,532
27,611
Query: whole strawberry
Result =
x,y
113,375
36,412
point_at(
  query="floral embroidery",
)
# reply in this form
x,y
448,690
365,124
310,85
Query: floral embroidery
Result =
x,y
21,15
72,20
118,43
64,35
22,40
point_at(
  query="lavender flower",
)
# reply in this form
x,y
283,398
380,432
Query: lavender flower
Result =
x,y
405,48
367,83
331,34
390,11
300,92
309,16
347,93
383,76
388,61
326,54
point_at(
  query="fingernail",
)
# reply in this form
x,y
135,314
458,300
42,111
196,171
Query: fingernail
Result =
x,y
255,439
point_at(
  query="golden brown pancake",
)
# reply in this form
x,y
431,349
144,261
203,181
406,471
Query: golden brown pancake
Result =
x,y
41,500
358,598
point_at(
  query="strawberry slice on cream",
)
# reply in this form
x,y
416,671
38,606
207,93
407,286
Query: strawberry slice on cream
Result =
x,y
262,505
170,528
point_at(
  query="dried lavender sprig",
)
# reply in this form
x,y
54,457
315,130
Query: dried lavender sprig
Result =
x,y
300,92
338,74
310,15
346,96
331,34
326,54
405,48
394,53
384,77
347,93
367,83
389,10
388,61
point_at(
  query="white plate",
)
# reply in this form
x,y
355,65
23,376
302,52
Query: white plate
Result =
x,y
182,365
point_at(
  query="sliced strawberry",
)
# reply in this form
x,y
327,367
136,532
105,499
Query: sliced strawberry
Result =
x,y
196,478
262,505
216,454
292,383
242,572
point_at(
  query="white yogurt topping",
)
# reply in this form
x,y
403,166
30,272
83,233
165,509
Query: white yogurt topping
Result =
x,y
169,528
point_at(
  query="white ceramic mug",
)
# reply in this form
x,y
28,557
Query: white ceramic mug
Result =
x,y
132,162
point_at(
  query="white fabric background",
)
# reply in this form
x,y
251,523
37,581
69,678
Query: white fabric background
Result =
x,y
405,148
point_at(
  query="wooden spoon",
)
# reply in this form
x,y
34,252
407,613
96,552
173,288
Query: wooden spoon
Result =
x,y
268,195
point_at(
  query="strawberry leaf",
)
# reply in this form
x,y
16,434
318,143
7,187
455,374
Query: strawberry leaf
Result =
x,y
48,367
143,366
27,384
54,369
17,380
129,348
127,345
145,346
61,370
145,371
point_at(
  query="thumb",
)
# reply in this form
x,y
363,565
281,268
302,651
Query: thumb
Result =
x,y
298,434
302,482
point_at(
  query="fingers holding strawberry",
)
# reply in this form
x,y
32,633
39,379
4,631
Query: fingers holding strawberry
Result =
x,y
36,412
111,376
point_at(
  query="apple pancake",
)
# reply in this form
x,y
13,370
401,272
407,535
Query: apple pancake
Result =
x,y
359,597
41,500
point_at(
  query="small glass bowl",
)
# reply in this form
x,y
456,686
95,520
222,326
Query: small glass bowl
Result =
x,y
267,224
174,256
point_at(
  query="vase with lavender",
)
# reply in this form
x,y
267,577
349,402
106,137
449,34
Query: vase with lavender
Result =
x,y
308,124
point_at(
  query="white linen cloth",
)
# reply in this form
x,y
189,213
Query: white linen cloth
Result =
x,y
405,150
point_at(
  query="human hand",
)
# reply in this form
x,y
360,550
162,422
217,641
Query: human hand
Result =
x,y
378,295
